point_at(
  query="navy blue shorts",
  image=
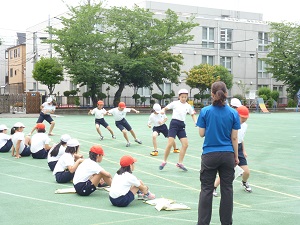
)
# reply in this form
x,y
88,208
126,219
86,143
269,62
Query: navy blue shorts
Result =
x,y
43,117
64,177
7,146
41,154
52,165
123,200
123,124
161,129
101,122
26,151
85,188
177,128
242,158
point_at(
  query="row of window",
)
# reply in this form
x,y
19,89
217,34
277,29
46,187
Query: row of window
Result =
x,y
14,53
208,39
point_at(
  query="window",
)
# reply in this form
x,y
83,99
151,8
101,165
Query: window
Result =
x,y
11,72
208,37
144,92
263,41
262,86
11,54
278,88
18,50
15,53
34,86
262,72
208,59
226,62
226,39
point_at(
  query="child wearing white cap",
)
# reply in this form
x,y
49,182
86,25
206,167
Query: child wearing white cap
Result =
x,y
119,114
177,126
47,108
158,120
57,151
40,143
125,185
89,173
21,143
99,113
5,139
67,163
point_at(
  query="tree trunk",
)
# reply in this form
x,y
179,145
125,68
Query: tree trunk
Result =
x,y
118,94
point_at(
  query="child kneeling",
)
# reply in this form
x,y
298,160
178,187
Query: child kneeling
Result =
x,y
125,185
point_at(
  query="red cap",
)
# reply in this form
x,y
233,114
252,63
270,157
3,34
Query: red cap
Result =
x,y
122,105
127,160
100,102
40,126
243,111
97,149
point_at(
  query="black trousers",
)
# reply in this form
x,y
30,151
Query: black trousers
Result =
x,y
223,163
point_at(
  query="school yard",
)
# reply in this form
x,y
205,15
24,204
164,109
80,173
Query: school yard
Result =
x,y
272,142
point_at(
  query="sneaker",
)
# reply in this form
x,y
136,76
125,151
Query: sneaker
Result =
x,y
149,196
101,138
181,166
140,195
162,165
246,187
113,137
154,153
176,150
138,141
215,193
128,144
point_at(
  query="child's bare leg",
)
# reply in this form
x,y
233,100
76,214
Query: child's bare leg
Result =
x,y
98,129
184,146
52,124
110,130
174,145
154,137
168,148
217,182
125,135
132,133
246,173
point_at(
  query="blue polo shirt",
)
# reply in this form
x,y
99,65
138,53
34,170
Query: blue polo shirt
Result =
x,y
218,121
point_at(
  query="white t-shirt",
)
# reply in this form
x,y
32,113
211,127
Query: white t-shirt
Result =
x,y
61,151
119,115
15,138
47,106
121,184
242,132
156,118
38,142
85,170
63,163
99,113
3,139
180,110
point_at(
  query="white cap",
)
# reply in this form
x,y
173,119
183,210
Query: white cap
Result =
x,y
235,102
49,99
72,143
3,127
182,91
65,137
157,107
19,124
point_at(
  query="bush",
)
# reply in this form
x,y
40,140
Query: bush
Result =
x,y
292,103
157,96
101,95
275,95
264,91
67,93
240,97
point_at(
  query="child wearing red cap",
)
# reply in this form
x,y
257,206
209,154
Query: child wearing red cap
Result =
x,y
40,143
125,185
119,114
99,113
89,173
242,154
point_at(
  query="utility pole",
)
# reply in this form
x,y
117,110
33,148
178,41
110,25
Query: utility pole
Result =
x,y
35,57
50,37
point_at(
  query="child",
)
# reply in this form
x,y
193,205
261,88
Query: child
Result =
x,y
40,143
99,120
119,114
125,185
89,173
158,120
177,126
47,108
57,151
242,154
67,163
5,139
21,144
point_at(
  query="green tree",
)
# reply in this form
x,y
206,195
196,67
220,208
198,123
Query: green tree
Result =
x,y
48,71
224,75
283,58
140,44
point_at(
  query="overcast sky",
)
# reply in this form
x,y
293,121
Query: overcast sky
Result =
x,y
18,15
